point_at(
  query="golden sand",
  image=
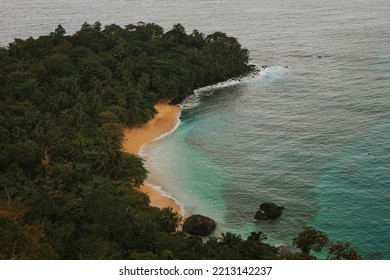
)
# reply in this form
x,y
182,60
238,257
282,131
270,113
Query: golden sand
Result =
x,y
164,121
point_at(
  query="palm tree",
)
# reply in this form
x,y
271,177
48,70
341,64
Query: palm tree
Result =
x,y
230,239
169,220
257,237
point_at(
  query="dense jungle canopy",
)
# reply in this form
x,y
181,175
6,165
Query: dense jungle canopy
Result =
x,y
67,190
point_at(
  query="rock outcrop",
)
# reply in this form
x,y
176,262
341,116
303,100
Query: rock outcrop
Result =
x,y
268,210
260,215
199,225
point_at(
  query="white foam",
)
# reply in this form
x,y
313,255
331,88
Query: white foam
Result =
x,y
190,101
177,123
194,99
161,191
273,72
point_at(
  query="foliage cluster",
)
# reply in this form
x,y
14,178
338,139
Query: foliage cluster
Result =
x,y
67,190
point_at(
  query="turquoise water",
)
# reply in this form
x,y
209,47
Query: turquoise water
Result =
x,y
314,137
324,155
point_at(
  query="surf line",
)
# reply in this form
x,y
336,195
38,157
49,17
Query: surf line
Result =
x,y
164,123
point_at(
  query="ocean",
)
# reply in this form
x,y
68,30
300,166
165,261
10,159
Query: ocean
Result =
x,y
310,132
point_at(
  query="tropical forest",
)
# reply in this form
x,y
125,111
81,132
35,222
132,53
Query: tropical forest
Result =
x,y
67,188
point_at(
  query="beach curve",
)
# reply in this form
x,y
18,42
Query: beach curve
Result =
x,y
134,138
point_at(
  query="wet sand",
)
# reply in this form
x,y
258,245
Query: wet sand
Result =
x,y
135,137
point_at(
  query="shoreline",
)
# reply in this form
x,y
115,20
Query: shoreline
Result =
x,y
164,122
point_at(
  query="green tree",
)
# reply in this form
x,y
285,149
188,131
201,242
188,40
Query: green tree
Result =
x,y
310,239
64,101
177,34
230,239
169,220
257,237
19,240
59,31
26,154
342,251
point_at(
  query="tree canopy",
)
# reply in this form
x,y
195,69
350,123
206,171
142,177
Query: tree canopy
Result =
x,y
67,190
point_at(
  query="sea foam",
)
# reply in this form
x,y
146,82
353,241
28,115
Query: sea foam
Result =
x,y
194,99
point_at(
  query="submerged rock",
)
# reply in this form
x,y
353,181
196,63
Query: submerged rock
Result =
x,y
268,211
271,210
199,225
260,215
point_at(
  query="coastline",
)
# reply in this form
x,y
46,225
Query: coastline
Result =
x,y
164,121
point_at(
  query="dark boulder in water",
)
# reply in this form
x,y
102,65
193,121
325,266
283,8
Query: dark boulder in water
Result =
x,y
260,215
270,210
199,225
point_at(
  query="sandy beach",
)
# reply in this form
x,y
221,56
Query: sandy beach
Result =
x,y
164,121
